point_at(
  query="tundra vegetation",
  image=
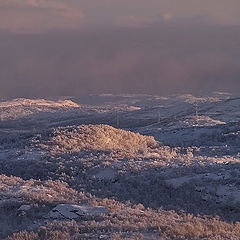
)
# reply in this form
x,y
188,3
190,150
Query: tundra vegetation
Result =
x,y
167,180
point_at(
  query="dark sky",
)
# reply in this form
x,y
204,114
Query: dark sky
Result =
x,y
74,47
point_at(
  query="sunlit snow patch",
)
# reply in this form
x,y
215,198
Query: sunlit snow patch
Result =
x,y
21,107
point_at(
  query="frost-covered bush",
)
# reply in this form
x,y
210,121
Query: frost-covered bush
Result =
x,y
132,223
38,191
24,235
99,138
123,221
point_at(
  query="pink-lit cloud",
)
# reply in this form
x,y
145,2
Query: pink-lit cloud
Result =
x,y
134,21
39,15
150,46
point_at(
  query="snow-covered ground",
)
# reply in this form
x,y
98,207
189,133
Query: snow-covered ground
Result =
x,y
22,108
133,159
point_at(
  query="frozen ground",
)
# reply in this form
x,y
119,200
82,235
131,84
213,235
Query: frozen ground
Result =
x,y
120,167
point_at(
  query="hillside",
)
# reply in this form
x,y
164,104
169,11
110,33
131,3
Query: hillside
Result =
x,y
120,167
22,108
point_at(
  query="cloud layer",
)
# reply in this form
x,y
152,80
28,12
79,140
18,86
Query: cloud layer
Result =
x,y
45,15
26,16
72,47
156,60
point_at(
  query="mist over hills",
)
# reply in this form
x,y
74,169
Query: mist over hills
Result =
x,y
157,59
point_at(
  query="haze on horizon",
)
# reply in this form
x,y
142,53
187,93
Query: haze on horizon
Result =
x,y
74,47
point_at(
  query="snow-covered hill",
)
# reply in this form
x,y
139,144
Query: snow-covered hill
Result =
x,y
120,167
22,108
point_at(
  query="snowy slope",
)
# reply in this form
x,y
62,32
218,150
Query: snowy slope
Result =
x,y
156,165
22,108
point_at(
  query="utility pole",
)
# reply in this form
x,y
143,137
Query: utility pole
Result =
x,y
175,117
117,119
158,116
196,108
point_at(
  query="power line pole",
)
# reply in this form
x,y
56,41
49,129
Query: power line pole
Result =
x,y
117,119
175,117
196,108
158,116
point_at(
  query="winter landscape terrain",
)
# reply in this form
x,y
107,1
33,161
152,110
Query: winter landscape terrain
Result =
x,y
120,167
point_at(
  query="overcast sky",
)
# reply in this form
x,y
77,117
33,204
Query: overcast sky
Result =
x,y
74,47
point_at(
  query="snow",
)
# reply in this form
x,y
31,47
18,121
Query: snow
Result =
x,y
21,107
179,182
228,195
99,137
201,121
189,98
105,174
69,154
193,121
70,211
20,102
24,208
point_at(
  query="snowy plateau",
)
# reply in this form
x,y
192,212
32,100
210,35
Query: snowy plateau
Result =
x,y
120,167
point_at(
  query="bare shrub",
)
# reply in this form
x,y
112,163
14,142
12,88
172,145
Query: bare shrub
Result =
x,y
24,235
127,221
